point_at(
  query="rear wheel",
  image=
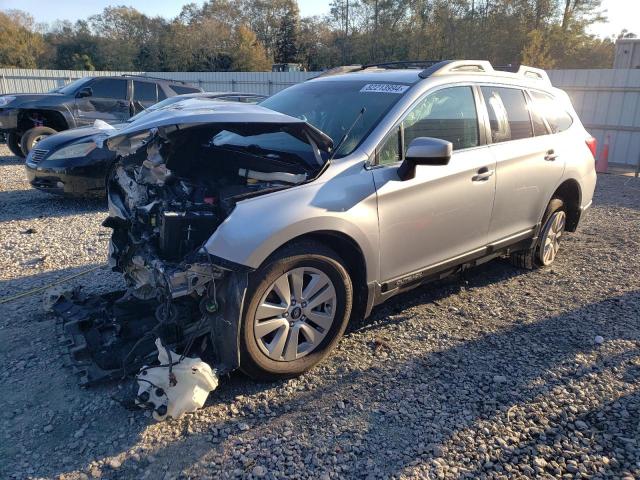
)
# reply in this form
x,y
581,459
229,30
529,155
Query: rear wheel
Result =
x,y
545,250
13,142
297,307
31,137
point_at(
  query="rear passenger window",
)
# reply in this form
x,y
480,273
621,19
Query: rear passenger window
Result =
x,y
557,118
508,113
539,127
109,88
145,91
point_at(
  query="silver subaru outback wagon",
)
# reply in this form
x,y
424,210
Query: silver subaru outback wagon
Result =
x,y
261,230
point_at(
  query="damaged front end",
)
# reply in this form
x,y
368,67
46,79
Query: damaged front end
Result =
x,y
178,177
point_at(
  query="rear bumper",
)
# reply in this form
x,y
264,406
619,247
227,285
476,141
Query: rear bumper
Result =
x,y
67,181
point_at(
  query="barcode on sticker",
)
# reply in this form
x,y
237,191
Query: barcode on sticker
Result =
x,y
384,88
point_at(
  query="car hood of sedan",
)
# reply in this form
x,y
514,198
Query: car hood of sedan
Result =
x,y
198,112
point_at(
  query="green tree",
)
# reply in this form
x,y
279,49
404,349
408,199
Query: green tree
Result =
x,y
249,54
286,48
20,45
536,51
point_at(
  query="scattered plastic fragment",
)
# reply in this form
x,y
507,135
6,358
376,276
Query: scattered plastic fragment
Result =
x,y
52,295
598,340
178,385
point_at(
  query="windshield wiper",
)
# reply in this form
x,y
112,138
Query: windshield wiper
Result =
x,y
346,134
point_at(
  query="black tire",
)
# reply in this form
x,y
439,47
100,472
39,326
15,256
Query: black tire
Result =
x,y
33,136
529,259
253,361
13,142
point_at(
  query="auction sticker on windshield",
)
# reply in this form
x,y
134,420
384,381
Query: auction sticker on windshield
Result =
x,y
384,88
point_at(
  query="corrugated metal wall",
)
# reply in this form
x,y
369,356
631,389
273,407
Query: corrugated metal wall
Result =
x,y
608,101
40,81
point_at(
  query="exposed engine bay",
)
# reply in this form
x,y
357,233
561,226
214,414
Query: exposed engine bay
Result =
x,y
168,193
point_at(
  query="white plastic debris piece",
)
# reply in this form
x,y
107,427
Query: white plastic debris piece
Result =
x,y
172,392
598,340
102,125
51,295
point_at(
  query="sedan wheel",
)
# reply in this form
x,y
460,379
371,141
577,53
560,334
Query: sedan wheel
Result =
x,y
295,314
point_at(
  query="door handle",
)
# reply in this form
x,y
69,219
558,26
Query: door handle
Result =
x,y
550,156
483,174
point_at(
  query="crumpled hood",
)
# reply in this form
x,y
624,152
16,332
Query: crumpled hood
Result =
x,y
198,112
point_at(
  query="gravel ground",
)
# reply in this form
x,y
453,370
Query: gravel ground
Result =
x,y
493,375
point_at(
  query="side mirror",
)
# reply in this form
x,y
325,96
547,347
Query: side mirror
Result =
x,y
85,92
424,151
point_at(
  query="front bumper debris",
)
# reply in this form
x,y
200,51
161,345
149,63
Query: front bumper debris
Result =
x,y
96,335
111,336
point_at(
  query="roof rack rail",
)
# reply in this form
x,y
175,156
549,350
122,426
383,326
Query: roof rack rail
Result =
x,y
339,70
534,73
390,65
483,66
402,64
155,78
432,68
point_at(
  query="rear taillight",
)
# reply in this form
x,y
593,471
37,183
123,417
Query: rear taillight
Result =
x,y
592,143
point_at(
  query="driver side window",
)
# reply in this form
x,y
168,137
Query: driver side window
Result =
x,y
449,114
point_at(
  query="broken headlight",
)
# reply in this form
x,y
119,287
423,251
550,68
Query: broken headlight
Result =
x,y
74,151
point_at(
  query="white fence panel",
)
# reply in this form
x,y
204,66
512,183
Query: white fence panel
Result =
x,y
267,83
608,103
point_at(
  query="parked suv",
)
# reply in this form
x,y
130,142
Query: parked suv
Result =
x,y
26,118
257,232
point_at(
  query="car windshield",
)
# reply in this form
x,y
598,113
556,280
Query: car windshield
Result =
x,y
333,106
71,87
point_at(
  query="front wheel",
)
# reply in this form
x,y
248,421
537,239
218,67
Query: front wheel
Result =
x,y
296,309
13,142
31,137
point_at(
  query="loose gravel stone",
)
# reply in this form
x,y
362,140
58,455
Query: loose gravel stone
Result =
x,y
494,374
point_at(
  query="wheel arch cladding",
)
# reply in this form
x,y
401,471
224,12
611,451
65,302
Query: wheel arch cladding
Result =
x,y
53,119
570,193
352,256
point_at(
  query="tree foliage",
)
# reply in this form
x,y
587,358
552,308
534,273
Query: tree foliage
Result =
x,y
251,34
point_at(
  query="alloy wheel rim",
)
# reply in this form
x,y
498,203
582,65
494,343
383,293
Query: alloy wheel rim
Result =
x,y
295,314
551,238
38,139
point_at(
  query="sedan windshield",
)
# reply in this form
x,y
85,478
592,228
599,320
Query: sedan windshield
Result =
x,y
333,106
71,87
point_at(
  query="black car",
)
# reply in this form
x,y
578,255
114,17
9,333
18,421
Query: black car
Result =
x,y
74,163
26,118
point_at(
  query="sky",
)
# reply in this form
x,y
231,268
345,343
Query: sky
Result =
x,y
621,13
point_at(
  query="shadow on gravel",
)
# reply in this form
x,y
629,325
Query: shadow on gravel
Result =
x,y
29,282
455,391
10,160
29,204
